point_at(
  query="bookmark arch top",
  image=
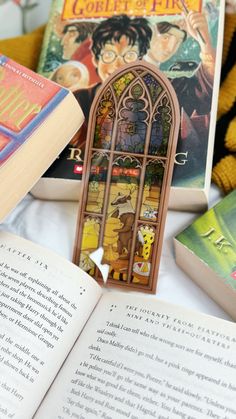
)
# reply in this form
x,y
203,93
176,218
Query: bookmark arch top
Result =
x,y
131,142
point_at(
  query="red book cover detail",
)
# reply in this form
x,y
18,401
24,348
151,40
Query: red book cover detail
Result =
x,y
26,99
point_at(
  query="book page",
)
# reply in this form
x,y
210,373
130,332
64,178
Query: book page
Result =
x,y
44,302
143,358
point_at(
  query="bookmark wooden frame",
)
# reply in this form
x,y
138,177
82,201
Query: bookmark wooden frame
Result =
x,y
131,142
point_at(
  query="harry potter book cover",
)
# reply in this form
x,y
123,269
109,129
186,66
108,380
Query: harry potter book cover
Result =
x,y
206,251
86,41
32,131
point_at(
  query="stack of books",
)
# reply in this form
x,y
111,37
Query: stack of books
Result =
x,y
77,350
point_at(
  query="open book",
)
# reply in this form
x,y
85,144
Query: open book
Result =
x,y
68,350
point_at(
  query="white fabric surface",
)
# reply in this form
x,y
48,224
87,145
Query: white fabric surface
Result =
x,y
52,224
11,17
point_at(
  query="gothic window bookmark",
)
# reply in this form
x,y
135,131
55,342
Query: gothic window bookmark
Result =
x,y
129,158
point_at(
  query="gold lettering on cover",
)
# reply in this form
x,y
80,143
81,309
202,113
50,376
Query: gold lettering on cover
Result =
x,y
28,109
5,96
15,107
75,154
220,242
212,230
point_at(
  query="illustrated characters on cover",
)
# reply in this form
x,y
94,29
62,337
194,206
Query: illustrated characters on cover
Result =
x,y
181,46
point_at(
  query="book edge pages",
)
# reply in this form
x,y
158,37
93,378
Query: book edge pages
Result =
x,y
57,189
206,278
193,200
215,96
15,171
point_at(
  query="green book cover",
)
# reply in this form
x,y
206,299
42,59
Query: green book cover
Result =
x,y
212,237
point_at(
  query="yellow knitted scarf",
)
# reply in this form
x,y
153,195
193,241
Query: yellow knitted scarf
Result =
x,y
224,172
24,49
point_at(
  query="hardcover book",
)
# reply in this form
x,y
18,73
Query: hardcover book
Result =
x,y
33,111
86,41
206,251
69,350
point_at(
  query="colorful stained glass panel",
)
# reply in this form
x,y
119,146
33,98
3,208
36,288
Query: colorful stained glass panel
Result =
x,y
152,190
121,83
132,123
97,183
160,131
90,240
122,202
153,86
143,255
104,122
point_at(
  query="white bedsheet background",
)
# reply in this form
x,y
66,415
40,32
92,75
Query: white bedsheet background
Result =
x,y
52,224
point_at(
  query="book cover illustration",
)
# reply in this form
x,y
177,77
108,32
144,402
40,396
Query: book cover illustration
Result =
x,y
212,237
26,99
129,158
86,41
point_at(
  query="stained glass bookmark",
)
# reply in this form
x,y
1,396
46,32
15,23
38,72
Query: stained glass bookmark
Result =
x,y
129,158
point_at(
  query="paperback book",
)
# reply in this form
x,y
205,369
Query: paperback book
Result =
x,y
86,41
70,350
32,128
206,251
